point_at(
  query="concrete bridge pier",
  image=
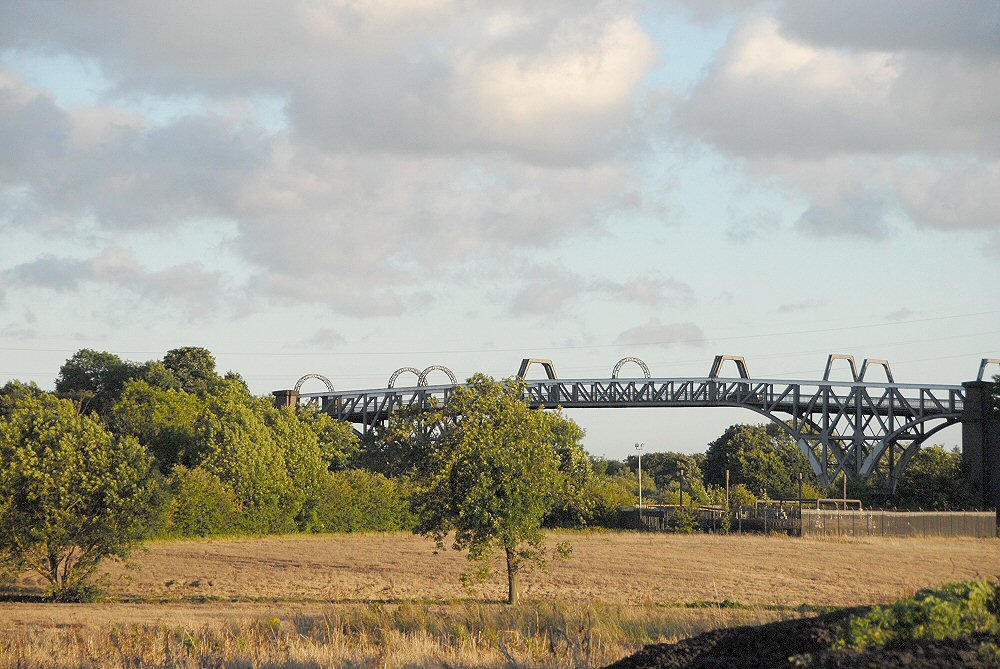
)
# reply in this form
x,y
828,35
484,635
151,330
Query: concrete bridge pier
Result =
x,y
981,442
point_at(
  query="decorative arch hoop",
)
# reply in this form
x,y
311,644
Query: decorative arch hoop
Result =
x,y
319,377
422,377
627,359
403,370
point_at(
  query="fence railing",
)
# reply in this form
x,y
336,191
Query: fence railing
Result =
x,y
820,522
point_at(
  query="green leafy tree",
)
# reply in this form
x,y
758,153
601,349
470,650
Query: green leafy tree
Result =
x,y
95,379
664,469
15,392
338,441
201,504
935,479
492,474
303,458
741,495
684,520
71,494
164,420
357,500
235,444
764,458
193,367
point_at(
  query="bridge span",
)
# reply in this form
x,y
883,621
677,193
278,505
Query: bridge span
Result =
x,y
854,427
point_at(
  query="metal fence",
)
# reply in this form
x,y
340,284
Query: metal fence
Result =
x,y
821,522
899,523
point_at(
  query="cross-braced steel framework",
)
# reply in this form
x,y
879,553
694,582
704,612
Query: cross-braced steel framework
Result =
x,y
856,427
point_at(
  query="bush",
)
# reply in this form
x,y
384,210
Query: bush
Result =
x,y
361,501
201,505
955,610
684,521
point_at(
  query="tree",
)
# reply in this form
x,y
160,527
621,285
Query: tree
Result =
x,y
235,444
14,392
763,457
194,369
492,474
934,479
95,379
72,494
664,469
201,504
338,441
164,420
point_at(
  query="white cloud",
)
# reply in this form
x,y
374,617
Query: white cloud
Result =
x,y
549,289
862,120
196,288
413,136
655,332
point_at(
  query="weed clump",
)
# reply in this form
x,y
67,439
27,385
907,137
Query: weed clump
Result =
x,y
953,611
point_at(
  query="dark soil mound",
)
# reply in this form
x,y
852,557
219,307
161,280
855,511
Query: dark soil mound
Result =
x,y
803,643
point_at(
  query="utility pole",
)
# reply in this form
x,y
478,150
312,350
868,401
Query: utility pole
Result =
x,y
727,490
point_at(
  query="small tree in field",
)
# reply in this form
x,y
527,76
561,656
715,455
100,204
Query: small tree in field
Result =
x,y
71,494
492,474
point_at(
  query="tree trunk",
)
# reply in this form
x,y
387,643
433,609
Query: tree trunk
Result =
x,y
511,575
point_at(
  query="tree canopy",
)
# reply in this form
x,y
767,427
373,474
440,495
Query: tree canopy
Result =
x,y
763,457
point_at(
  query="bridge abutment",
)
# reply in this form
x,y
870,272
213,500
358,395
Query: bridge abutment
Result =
x,y
981,442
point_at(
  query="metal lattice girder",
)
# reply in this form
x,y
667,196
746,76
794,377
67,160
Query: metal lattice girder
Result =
x,y
841,426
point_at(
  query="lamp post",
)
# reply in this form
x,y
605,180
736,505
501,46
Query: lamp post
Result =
x,y
638,449
682,486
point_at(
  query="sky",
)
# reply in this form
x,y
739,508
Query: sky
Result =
x,y
347,187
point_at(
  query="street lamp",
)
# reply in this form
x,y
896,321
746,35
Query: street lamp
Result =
x,y
638,448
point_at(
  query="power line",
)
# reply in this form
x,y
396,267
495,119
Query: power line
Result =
x,y
700,340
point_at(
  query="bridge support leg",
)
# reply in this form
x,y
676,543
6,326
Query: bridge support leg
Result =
x,y
981,442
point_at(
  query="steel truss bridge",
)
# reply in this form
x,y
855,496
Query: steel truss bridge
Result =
x,y
854,427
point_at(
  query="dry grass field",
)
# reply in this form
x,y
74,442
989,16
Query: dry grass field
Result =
x,y
390,600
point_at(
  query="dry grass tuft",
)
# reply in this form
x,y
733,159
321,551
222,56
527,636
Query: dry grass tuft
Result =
x,y
390,636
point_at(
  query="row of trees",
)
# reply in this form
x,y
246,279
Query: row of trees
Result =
x,y
123,451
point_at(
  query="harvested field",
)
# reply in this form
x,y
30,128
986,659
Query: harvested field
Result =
x,y
627,568
389,600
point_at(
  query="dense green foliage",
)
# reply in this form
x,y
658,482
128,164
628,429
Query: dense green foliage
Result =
x,y
762,457
74,493
952,611
201,504
358,500
685,521
935,479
